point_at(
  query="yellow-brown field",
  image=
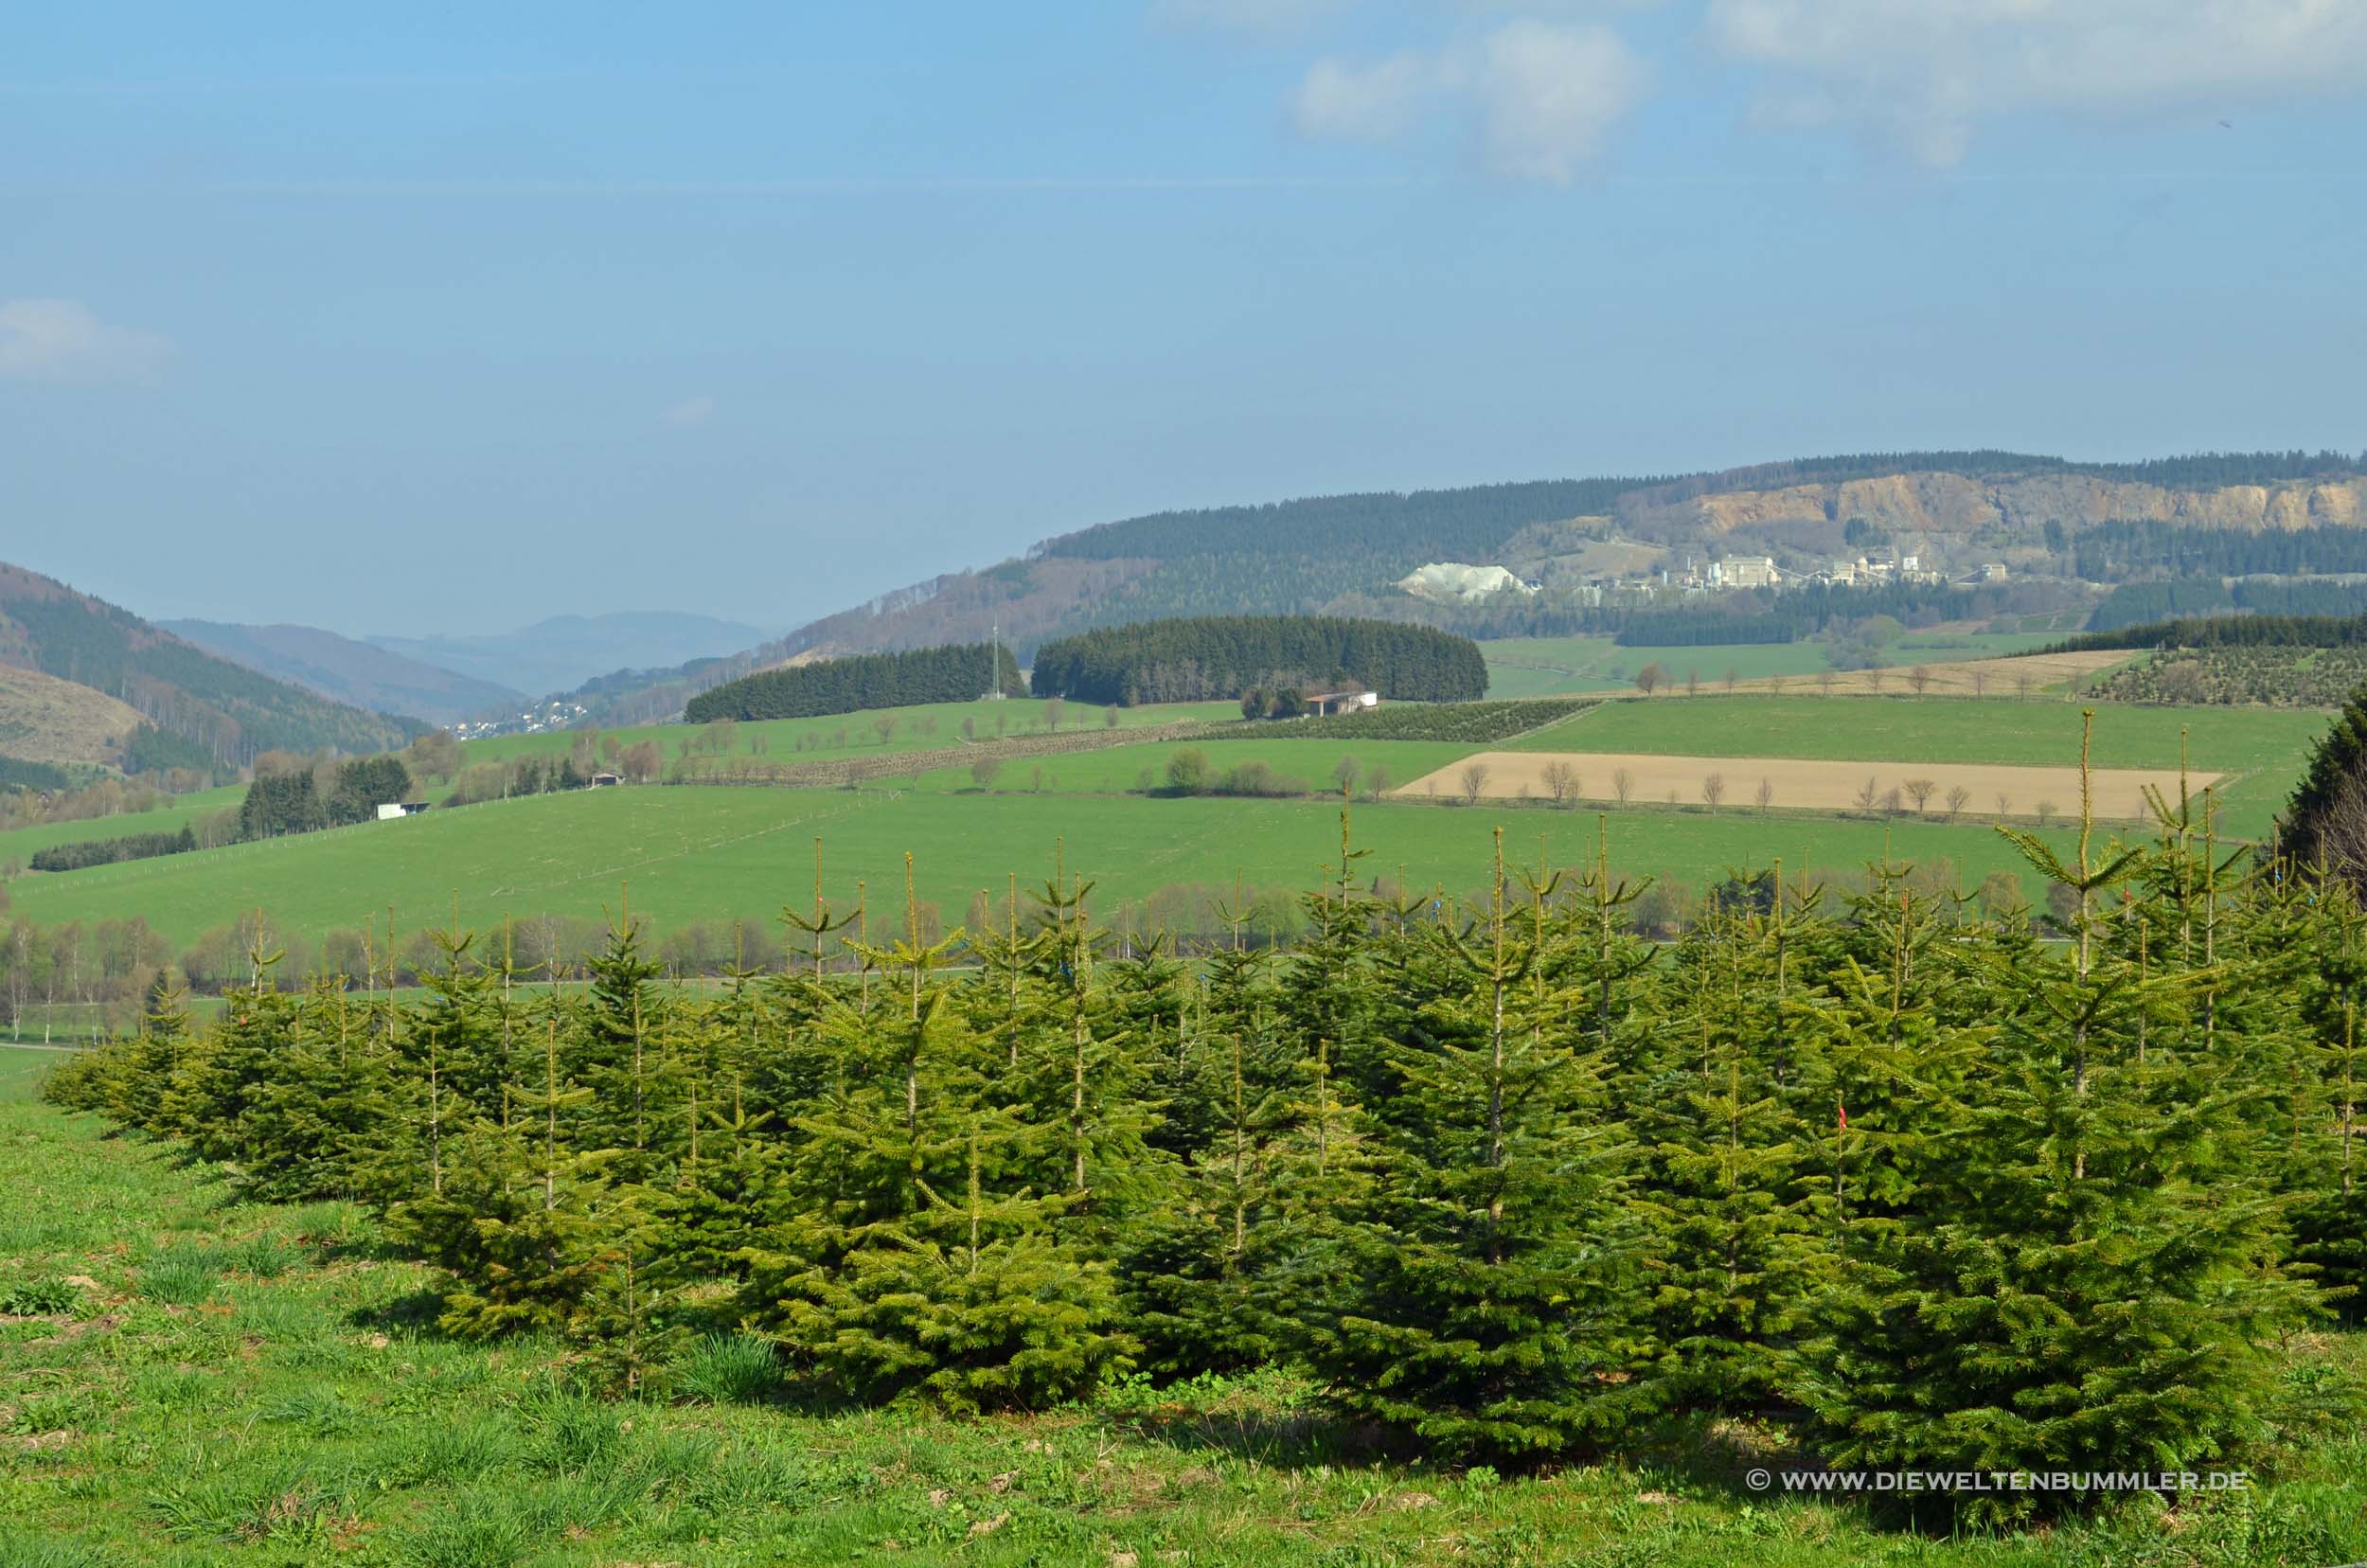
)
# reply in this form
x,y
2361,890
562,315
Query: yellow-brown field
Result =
x,y
1988,789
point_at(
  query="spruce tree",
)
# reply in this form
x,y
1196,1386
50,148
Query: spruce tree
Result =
x,y
1488,1295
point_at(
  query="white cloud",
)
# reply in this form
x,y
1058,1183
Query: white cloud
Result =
x,y
1924,73
1538,94
60,340
1340,100
691,412
1548,92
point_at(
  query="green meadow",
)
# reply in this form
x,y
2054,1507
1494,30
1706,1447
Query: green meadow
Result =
x,y
694,854
24,843
886,730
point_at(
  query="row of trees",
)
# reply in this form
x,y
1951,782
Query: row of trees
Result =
x,y
1498,1173
960,673
305,798
1228,657
74,856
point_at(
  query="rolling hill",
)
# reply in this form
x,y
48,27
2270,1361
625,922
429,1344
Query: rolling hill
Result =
x,y
206,709
359,673
1345,554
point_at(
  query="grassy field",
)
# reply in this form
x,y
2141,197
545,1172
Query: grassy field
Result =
x,y
2268,748
702,854
916,728
1546,667
186,1380
24,843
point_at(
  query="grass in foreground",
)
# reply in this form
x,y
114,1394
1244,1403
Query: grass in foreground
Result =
x,y
209,1383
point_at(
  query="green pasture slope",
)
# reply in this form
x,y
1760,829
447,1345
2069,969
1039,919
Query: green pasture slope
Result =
x,y
2268,747
1550,667
857,735
712,853
210,1383
24,843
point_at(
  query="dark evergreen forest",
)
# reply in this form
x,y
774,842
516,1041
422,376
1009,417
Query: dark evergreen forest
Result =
x,y
960,673
1227,656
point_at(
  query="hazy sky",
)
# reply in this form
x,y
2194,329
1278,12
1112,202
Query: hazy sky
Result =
x,y
445,318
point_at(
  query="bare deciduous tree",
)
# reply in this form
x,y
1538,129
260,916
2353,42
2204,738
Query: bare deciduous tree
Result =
x,y
1474,783
1980,681
1375,782
1958,798
1874,676
1732,676
1054,707
1868,793
885,726
1649,679
1713,790
1893,803
1919,791
1766,795
1692,683
2004,804
2046,812
1824,683
2021,682
1918,678
1622,786
1562,781
1344,775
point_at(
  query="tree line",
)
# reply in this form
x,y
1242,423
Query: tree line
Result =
x,y
1502,1177
959,673
2226,631
107,852
2106,552
1227,656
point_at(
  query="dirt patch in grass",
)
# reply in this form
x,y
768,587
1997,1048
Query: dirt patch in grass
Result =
x,y
1990,790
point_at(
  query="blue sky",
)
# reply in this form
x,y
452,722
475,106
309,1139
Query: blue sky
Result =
x,y
448,318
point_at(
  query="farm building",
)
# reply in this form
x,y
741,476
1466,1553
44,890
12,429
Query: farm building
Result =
x,y
606,780
1325,704
390,809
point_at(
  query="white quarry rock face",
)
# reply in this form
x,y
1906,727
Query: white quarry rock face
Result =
x,y
1453,579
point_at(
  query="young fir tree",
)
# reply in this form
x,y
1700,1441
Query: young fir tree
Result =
x,y
530,1223
237,1063
2077,1282
311,1128
922,1260
1722,1161
1205,1264
1488,1295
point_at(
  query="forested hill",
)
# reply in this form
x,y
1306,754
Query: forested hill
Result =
x,y
1343,553
205,711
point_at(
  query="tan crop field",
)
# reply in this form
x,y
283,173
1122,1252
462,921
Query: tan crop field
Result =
x,y
2029,673
1797,784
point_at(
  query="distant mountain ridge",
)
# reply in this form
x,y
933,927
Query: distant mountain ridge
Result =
x,y
349,671
565,652
199,710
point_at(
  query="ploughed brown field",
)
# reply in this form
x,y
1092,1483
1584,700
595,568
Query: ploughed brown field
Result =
x,y
1993,789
